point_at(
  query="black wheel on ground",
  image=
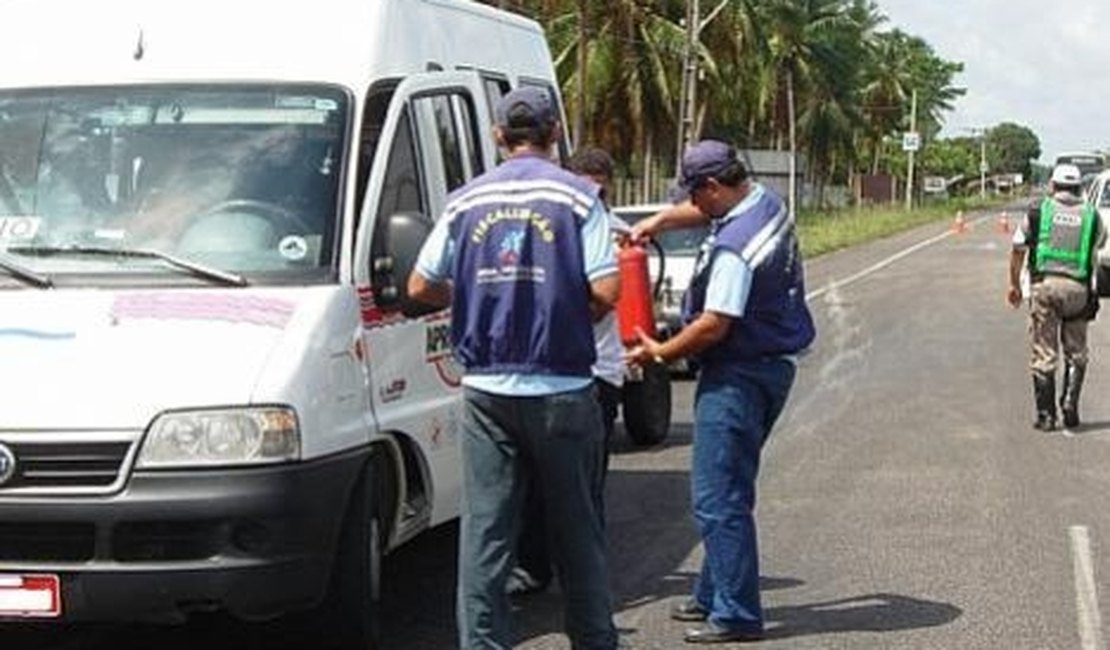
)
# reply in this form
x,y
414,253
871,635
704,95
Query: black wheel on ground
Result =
x,y
646,406
352,610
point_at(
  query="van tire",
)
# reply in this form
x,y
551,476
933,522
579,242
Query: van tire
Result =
x,y
353,606
646,406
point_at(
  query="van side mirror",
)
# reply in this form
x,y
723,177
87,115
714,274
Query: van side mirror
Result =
x,y
400,242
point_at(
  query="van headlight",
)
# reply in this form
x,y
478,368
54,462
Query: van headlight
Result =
x,y
240,436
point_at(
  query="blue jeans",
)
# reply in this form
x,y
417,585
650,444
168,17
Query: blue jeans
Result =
x,y
735,406
531,549
556,441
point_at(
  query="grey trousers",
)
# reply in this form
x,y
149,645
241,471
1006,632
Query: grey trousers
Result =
x,y
557,442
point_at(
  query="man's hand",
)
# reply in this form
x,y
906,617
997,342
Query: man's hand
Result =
x,y
644,353
681,215
646,228
1013,296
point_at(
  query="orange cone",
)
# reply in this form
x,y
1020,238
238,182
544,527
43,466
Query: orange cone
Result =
x,y
959,225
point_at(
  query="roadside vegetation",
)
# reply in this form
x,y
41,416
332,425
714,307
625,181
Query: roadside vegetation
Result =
x,y
827,231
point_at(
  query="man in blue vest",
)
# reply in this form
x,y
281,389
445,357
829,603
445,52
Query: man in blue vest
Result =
x,y
524,258
746,321
533,572
1057,244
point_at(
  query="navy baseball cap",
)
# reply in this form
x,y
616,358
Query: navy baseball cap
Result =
x,y
527,106
702,161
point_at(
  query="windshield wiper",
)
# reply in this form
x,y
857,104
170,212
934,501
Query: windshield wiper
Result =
x,y
196,268
17,270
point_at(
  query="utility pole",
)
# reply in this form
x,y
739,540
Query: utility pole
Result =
x,y
981,133
983,165
687,103
911,150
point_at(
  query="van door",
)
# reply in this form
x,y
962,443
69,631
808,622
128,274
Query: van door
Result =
x,y
432,139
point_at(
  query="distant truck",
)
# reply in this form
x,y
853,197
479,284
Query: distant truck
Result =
x,y
215,395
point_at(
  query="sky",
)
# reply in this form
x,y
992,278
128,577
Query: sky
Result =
x,y
1024,62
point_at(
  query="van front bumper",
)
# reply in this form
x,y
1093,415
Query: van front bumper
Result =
x,y
254,542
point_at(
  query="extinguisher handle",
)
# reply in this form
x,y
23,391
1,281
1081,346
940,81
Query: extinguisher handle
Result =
x,y
657,290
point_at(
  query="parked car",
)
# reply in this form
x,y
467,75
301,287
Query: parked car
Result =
x,y
1098,195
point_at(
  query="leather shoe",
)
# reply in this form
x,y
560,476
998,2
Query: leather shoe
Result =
x,y
690,611
713,633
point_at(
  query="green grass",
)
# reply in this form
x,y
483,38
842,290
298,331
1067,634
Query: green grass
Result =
x,y
824,232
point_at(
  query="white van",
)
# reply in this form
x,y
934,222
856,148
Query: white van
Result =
x,y
214,395
1098,195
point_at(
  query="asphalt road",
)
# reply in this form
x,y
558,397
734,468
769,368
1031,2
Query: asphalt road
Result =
x,y
905,501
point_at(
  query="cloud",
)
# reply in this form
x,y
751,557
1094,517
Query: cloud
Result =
x,y
1023,63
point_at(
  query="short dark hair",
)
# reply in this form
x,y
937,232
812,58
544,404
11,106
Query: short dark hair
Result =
x,y
732,175
542,135
591,161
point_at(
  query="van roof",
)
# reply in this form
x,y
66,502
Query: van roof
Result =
x,y
347,42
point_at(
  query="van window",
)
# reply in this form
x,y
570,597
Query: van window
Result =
x,y
496,88
401,191
449,141
244,178
373,119
450,144
471,136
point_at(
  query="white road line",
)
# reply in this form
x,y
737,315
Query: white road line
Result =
x,y
1086,597
878,266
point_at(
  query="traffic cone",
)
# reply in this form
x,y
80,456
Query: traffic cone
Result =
x,y
959,225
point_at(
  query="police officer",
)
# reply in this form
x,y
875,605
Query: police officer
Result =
x,y
746,320
1056,244
524,258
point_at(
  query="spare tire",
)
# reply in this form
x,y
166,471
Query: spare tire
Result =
x,y
646,406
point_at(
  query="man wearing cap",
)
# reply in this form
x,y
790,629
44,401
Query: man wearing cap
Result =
x,y
522,254
1056,243
746,320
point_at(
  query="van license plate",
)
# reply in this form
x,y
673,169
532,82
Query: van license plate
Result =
x,y
30,596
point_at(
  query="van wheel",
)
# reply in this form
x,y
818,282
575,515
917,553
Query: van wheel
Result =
x,y
353,606
646,406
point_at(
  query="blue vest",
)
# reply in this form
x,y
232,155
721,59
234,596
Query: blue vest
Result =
x,y
521,296
776,320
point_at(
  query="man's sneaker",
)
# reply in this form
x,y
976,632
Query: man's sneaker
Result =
x,y
522,583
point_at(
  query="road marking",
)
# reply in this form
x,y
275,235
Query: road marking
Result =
x,y
1086,597
878,266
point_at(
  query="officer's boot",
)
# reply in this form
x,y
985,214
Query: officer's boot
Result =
x,y
1044,393
1069,397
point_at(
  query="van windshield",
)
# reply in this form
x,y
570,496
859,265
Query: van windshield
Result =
x,y
239,178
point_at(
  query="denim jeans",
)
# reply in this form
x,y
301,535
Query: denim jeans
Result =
x,y
735,406
555,440
531,548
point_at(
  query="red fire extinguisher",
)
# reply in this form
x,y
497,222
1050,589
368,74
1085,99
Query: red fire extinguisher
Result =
x,y
635,309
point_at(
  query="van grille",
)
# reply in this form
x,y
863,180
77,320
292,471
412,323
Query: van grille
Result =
x,y
50,464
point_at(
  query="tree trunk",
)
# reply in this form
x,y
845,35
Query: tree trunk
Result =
x,y
580,81
792,189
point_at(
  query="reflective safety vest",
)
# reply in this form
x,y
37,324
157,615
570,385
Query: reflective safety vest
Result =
x,y
1064,239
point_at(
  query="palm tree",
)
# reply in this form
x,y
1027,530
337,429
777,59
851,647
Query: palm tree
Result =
x,y
798,33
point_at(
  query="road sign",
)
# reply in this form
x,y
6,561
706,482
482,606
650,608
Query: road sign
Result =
x,y
911,141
